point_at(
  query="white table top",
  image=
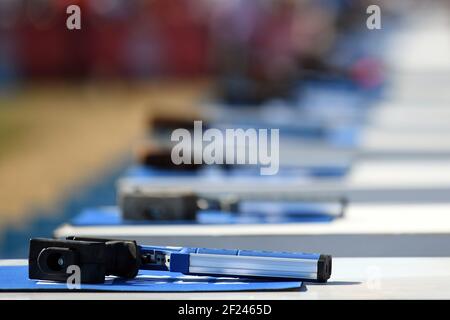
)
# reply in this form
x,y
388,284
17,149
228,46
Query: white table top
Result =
x,y
400,174
366,231
352,278
368,176
359,219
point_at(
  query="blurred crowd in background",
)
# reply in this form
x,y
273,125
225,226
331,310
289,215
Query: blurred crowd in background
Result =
x,y
262,45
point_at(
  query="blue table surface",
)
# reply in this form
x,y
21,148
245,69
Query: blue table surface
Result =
x,y
337,171
265,213
15,278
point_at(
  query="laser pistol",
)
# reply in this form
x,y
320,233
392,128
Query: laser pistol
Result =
x,y
97,258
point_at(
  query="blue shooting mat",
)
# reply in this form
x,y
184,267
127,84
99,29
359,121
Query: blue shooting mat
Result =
x,y
345,137
15,278
315,133
139,171
250,213
335,100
